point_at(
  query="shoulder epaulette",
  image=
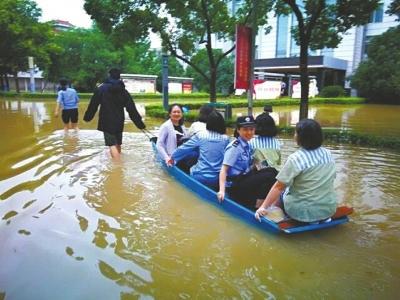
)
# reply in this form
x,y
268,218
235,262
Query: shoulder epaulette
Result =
x,y
236,143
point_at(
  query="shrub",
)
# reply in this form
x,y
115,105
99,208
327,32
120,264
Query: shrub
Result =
x,y
333,91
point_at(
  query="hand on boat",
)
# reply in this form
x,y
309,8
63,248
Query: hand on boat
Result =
x,y
260,213
169,162
220,196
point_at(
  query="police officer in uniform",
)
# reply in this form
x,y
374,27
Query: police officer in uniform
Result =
x,y
244,185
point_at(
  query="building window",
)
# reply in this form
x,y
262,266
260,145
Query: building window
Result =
x,y
377,15
282,35
294,48
367,40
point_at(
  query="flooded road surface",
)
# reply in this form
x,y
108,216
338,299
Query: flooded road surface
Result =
x,y
375,119
75,225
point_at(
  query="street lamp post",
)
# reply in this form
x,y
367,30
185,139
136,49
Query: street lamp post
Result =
x,y
165,80
32,74
250,91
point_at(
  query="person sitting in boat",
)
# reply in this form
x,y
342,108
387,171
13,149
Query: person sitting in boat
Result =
x,y
200,124
304,187
244,185
210,144
172,132
265,146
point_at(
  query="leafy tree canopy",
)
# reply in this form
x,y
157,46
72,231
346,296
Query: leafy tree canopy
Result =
x,y
378,77
224,75
320,24
88,54
22,35
183,25
394,9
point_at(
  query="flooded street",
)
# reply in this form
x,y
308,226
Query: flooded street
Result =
x,y
375,119
75,225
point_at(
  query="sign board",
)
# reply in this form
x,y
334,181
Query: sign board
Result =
x,y
187,87
243,56
269,89
139,86
312,88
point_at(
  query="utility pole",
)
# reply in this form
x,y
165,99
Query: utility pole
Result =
x,y
165,80
250,91
32,73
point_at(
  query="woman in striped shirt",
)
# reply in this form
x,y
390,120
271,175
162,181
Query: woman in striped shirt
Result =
x,y
305,185
266,149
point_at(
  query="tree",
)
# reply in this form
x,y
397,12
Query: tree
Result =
x,y
87,54
320,24
394,9
224,74
185,26
22,36
85,58
378,77
139,59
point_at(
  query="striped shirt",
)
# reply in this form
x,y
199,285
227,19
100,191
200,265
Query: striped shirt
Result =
x,y
265,152
309,176
264,142
305,159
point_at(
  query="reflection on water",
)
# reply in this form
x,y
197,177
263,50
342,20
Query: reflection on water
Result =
x,y
74,225
371,119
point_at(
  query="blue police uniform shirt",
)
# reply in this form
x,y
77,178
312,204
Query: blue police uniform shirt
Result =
x,y
238,157
210,147
68,99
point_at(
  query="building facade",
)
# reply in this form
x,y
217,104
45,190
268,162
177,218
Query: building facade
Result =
x,y
277,51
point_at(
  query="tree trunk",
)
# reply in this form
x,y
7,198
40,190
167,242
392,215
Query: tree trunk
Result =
x,y
7,82
213,85
16,82
2,87
304,81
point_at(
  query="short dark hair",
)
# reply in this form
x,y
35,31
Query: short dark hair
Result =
x,y
63,84
180,107
115,73
265,125
204,112
309,134
267,108
216,122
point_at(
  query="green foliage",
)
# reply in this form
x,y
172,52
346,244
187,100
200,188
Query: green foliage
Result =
x,y
224,72
378,77
22,36
85,58
93,49
184,27
332,91
394,9
321,24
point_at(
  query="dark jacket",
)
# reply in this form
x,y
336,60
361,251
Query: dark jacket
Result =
x,y
112,98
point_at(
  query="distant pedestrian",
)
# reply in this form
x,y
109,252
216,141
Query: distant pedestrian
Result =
x,y
67,99
112,97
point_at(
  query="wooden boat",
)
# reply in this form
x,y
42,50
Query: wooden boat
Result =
x,y
286,226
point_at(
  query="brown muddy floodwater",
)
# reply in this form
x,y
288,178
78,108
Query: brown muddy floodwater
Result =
x,y
74,225
375,119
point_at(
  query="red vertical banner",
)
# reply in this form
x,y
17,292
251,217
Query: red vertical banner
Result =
x,y
243,54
